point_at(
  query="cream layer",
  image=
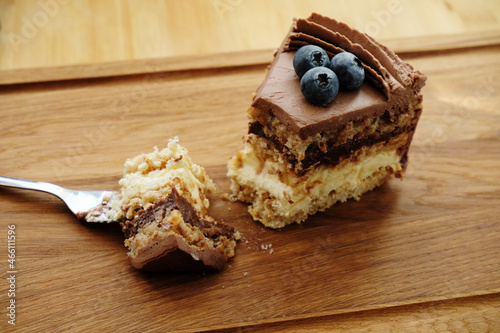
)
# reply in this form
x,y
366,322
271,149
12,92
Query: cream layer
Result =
x,y
279,197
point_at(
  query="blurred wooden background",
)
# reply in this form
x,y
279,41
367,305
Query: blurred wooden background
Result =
x,y
45,33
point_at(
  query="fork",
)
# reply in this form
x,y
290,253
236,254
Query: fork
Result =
x,y
79,202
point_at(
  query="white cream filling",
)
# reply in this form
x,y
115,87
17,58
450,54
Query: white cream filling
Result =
x,y
296,193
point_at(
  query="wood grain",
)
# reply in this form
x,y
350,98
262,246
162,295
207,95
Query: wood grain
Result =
x,y
48,33
471,314
429,244
258,57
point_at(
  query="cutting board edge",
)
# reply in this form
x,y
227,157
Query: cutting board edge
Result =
x,y
411,45
362,309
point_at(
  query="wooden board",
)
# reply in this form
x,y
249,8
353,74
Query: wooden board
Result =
x,y
433,237
62,33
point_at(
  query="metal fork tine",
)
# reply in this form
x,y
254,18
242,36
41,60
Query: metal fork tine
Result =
x,y
77,201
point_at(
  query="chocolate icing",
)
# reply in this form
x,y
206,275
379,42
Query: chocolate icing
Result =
x,y
173,253
390,83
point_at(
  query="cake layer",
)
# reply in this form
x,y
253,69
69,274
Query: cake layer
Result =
x,y
329,149
391,83
171,253
156,213
280,196
165,214
171,244
151,177
315,156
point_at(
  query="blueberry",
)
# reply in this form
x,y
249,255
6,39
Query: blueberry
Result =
x,y
349,70
307,57
319,85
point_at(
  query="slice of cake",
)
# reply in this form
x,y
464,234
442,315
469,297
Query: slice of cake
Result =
x,y
163,210
299,158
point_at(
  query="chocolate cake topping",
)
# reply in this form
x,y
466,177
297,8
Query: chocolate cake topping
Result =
x,y
390,81
175,201
172,252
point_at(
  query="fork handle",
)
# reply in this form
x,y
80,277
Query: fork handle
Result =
x,y
30,185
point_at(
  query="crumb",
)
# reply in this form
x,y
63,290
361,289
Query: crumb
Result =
x,y
229,197
265,247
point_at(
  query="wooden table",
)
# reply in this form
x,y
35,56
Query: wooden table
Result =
x,y
414,256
